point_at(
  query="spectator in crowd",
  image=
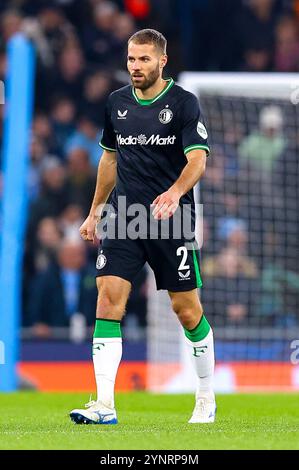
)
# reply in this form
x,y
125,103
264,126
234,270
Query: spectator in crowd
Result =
x,y
254,30
286,57
37,154
99,41
80,181
230,294
63,115
87,137
267,141
212,191
67,287
70,221
48,238
215,172
286,200
53,196
11,23
234,233
55,27
63,78
205,237
231,279
42,129
279,305
125,27
69,79
97,87
260,155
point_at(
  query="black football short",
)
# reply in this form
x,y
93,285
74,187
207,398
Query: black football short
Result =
x,y
175,262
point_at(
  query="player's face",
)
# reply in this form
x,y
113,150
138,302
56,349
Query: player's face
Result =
x,y
145,64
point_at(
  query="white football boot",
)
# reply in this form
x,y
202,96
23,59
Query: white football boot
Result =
x,y
205,409
95,413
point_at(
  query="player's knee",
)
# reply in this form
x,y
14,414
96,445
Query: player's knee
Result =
x,y
188,315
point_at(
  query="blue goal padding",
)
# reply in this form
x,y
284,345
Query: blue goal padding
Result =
x,y
19,88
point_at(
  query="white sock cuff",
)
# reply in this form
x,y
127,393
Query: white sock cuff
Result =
x,y
107,340
202,342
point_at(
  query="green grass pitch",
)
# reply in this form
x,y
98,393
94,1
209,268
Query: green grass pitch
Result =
x,y
31,420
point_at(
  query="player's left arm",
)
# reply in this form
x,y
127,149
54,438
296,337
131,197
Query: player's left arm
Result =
x,y
167,202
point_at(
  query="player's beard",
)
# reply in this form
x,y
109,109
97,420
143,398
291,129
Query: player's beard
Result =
x,y
149,80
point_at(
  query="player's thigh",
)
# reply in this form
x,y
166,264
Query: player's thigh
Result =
x,y
113,294
118,263
175,264
122,258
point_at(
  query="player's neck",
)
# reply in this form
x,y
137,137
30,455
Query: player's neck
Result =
x,y
153,91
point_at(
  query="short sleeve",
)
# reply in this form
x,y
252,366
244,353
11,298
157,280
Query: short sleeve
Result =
x,y
194,132
108,141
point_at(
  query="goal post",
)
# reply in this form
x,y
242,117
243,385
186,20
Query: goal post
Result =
x,y
250,246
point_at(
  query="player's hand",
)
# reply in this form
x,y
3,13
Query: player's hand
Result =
x,y
88,228
166,204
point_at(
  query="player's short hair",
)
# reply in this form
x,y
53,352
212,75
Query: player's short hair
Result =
x,y
149,36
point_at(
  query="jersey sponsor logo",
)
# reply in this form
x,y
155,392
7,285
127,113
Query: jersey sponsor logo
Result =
x,y
201,130
165,116
101,261
122,115
144,140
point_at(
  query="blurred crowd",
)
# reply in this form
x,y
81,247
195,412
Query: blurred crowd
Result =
x,y
81,48
242,35
250,207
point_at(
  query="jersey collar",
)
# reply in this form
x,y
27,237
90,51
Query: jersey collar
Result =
x,y
162,93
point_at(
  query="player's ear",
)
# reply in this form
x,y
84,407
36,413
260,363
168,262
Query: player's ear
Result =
x,y
163,61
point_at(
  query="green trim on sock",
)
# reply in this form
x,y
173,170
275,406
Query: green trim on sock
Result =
x,y
108,319
107,329
199,332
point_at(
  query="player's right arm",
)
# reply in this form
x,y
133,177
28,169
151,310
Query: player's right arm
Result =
x,y
106,179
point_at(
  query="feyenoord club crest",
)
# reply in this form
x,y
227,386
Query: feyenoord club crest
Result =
x,y
101,261
165,116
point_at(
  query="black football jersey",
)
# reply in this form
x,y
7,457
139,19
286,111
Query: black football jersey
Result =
x,y
152,138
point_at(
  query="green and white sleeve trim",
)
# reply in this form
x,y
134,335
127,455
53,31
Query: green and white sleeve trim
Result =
x,y
196,147
106,148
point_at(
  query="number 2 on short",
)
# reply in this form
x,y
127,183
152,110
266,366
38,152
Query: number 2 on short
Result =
x,y
182,250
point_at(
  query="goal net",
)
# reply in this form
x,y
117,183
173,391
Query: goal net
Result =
x,y
249,257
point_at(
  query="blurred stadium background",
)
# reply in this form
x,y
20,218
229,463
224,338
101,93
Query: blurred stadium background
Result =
x,y
250,191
